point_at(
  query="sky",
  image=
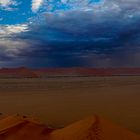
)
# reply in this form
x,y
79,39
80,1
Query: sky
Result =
x,y
70,33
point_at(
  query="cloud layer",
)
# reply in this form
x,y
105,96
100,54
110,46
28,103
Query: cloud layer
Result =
x,y
36,4
76,33
8,5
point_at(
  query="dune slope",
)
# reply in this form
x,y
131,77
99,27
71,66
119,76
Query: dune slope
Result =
x,y
22,128
93,128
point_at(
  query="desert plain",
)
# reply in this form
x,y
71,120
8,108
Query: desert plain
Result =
x,y
60,101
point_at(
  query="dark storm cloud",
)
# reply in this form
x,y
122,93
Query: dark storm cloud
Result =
x,y
101,35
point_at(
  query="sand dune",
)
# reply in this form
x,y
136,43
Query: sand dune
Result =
x,y
93,128
22,128
21,72
24,72
46,72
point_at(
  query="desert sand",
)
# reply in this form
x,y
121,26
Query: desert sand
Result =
x,y
92,128
59,102
22,128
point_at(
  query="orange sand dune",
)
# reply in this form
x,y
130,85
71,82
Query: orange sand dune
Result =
x,y
93,128
22,128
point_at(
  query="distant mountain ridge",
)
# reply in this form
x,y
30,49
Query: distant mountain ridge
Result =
x,y
24,72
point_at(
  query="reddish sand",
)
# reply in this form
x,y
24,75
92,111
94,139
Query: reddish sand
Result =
x,y
93,128
24,72
86,71
22,128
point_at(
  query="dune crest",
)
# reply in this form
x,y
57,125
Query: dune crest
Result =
x,y
92,128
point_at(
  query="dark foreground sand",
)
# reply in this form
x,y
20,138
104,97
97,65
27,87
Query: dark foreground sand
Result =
x,y
61,101
18,127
